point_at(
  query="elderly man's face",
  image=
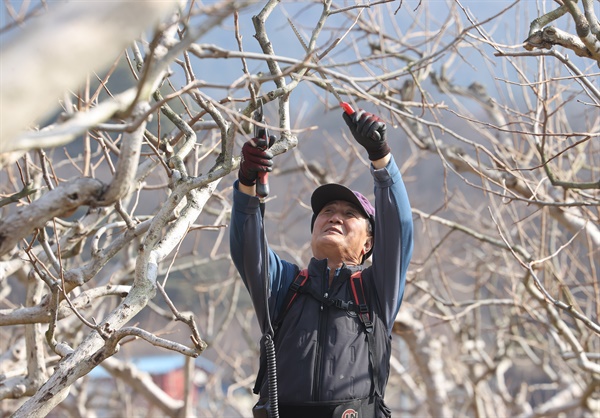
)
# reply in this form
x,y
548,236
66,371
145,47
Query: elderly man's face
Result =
x,y
341,230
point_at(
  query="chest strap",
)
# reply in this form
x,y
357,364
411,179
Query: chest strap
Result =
x,y
300,286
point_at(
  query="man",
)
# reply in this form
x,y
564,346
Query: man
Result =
x,y
330,363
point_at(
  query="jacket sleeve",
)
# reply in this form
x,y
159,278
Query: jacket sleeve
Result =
x,y
247,246
393,244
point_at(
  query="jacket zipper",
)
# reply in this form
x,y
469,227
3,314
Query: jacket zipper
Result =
x,y
317,373
321,336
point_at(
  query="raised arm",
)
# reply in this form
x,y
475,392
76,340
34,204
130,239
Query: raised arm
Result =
x,y
393,239
393,243
247,239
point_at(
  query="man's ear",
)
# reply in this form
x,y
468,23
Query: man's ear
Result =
x,y
368,245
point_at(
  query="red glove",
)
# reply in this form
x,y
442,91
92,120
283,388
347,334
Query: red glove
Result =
x,y
256,158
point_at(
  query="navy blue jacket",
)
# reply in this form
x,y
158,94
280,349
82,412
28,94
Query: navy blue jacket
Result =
x,y
322,353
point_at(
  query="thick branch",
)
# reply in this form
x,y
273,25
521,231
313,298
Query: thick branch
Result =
x,y
55,203
427,354
84,48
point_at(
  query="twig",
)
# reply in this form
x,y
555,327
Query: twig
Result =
x,y
28,190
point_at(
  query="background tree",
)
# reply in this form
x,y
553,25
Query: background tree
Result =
x,y
113,146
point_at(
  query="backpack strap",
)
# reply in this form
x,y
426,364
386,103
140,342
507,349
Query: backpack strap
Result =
x,y
364,315
358,292
296,287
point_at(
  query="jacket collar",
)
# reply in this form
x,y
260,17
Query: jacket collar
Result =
x,y
318,268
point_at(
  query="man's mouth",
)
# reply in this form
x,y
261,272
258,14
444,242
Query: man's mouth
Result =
x,y
334,230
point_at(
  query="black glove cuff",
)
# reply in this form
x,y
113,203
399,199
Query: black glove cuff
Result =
x,y
245,180
380,152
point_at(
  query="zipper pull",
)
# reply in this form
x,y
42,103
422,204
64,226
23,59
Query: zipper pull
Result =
x,y
326,295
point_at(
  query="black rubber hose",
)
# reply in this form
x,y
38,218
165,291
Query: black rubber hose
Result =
x,y
272,375
269,333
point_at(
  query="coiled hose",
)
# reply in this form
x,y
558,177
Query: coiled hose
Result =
x,y
269,333
272,374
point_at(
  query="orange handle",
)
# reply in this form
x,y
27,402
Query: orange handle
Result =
x,y
347,108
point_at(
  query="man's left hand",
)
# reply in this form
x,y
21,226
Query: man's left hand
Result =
x,y
369,131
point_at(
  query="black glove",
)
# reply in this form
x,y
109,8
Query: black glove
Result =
x,y
369,131
256,158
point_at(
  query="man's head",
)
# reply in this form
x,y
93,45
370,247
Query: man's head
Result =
x,y
342,224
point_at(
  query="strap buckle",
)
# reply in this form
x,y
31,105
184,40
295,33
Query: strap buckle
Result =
x,y
365,317
345,306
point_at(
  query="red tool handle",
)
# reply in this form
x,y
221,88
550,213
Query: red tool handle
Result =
x,y
262,185
347,108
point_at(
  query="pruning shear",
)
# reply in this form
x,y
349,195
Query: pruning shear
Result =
x,y
345,105
261,135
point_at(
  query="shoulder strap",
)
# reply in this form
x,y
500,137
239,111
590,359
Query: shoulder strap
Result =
x,y
291,294
364,315
358,291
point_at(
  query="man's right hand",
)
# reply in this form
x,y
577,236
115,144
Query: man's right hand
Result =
x,y
256,158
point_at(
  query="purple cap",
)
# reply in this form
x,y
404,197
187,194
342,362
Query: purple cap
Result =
x,y
330,192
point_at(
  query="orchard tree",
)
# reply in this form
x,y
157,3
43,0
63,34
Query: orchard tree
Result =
x,y
120,131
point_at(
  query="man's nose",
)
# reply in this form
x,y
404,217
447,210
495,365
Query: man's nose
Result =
x,y
336,217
